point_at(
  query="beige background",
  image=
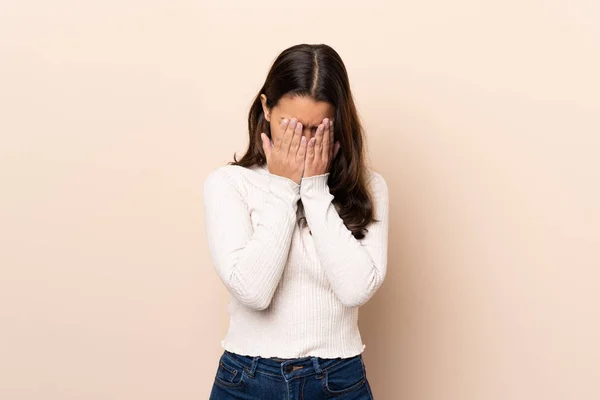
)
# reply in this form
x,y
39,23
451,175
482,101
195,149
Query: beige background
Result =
x,y
482,116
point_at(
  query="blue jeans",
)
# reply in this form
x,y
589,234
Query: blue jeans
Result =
x,y
307,378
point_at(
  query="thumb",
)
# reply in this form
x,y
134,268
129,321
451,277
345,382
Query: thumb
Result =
x,y
266,144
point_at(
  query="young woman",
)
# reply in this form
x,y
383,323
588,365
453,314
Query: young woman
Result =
x,y
297,230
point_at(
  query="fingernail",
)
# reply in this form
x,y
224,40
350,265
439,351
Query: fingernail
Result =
x,y
285,121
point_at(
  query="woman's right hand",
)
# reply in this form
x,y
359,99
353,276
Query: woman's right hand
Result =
x,y
286,156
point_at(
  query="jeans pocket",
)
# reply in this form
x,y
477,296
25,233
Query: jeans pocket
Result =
x,y
230,374
344,377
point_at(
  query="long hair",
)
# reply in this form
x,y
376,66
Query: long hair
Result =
x,y
317,71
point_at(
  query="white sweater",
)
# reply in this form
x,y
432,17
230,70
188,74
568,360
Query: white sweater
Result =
x,y
292,294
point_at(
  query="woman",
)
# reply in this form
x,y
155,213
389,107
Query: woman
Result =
x,y
297,230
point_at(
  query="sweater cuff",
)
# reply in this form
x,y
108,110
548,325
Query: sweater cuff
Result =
x,y
284,188
315,184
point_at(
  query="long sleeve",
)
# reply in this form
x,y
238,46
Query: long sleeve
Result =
x,y
249,258
354,268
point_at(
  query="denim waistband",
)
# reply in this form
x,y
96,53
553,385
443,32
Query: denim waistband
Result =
x,y
286,367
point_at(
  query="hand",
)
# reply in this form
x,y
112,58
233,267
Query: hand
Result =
x,y
321,150
286,157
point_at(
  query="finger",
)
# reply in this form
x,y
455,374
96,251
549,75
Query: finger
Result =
x,y
266,144
296,139
336,149
330,143
326,136
331,139
283,127
310,150
302,149
287,136
319,137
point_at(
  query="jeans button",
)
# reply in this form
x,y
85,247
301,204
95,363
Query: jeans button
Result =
x,y
288,369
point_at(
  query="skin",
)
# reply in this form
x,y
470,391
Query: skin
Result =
x,y
302,142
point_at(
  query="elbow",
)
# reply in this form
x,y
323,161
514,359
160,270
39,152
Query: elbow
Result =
x,y
353,300
247,292
255,300
352,296
257,304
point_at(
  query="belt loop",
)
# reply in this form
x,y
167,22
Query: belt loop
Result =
x,y
253,366
315,361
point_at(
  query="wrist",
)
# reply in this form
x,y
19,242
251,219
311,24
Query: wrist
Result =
x,y
283,187
315,184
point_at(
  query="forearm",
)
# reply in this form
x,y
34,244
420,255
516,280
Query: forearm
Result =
x,y
354,271
250,247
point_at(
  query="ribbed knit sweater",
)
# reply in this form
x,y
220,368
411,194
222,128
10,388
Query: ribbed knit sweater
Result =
x,y
294,290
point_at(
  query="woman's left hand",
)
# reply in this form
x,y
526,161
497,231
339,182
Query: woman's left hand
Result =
x,y
321,150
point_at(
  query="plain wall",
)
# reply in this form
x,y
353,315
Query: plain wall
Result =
x,y
482,116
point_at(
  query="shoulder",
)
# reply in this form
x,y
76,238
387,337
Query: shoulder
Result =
x,y
231,177
376,182
224,173
379,194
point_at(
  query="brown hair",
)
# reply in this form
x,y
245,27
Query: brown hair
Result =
x,y
317,71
